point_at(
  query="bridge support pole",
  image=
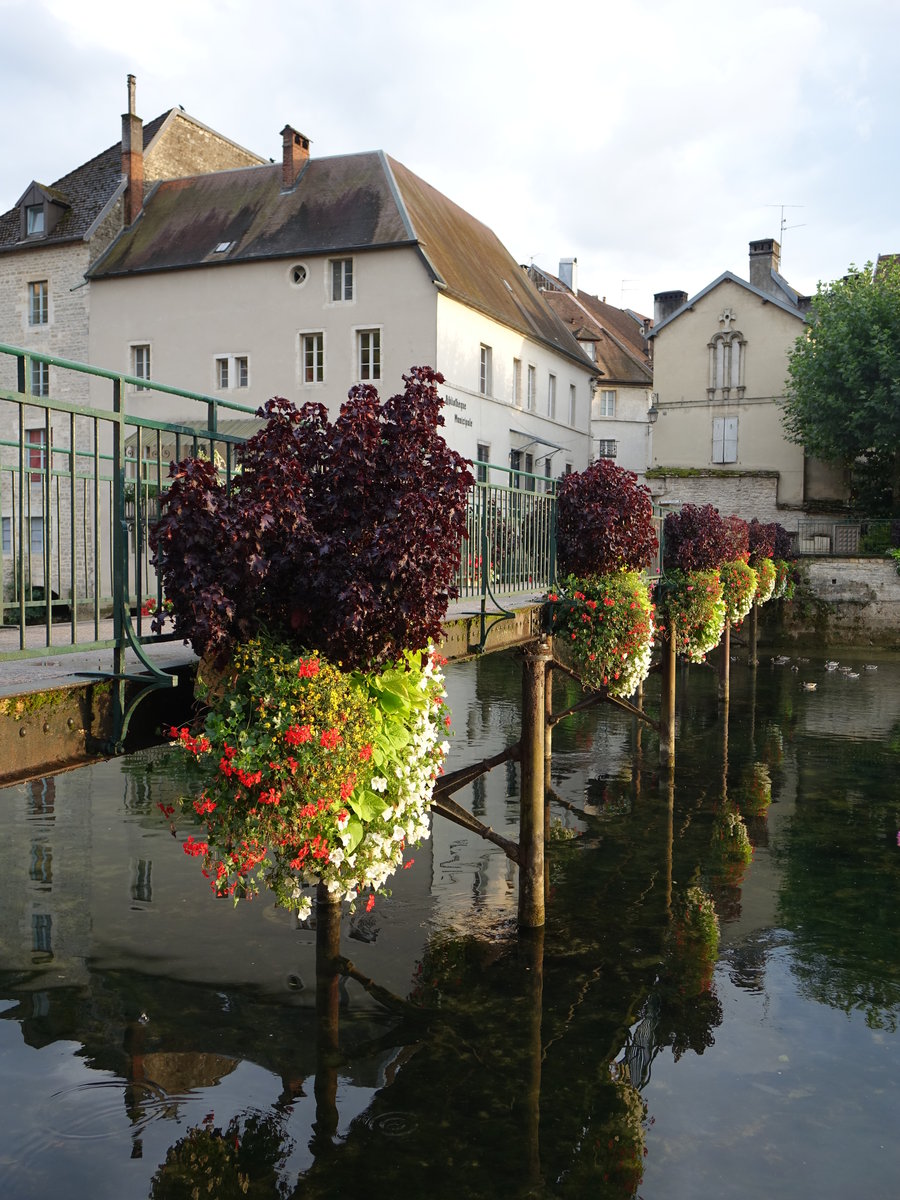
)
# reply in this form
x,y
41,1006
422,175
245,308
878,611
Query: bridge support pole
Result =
x,y
531,807
725,665
667,703
754,623
328,950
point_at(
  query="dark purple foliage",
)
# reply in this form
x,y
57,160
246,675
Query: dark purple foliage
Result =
x,y
342,537
605,521
762,539
695,539
737,538
784,543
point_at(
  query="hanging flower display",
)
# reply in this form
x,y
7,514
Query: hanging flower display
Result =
x,y
765,587
784,580
314,774
738,589
603,627
694,609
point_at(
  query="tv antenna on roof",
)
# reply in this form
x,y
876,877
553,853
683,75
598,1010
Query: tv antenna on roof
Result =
x,y
782,224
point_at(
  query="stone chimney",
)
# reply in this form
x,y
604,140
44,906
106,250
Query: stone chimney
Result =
x,y
568,273
295,155
665,303
132,158
765,257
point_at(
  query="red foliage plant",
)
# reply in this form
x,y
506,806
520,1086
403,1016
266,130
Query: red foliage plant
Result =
x,y
784,543
696,539
762,539
340,537
605,521
737,539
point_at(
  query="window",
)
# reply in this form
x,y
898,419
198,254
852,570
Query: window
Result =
x,y
551,397
38,308
726,365
548,478
232,370
483,454
517,382
532,388
41,933
298,275
568,469
369,345
515,462
34,219
36,451
529,472
6,542
725,435
484,374
341,279
36,535
140,363
608,403
607,448
313,351
573,407
590,349
40,378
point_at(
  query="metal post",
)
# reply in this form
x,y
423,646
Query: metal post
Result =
x,y
328,949
531,808
119,564
667,701
725,664
754,614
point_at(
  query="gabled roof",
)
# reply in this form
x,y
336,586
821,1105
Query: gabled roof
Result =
x,y
341,204
615,360
86,190
729,276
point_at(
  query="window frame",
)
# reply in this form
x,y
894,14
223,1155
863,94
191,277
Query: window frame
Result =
x,y
531,388
38,444
373,372
341,279
35,220
551,396
482,460
232,372
38,302
607,448
573,405
517,383
608,403
485,370
318,365
141,359
724,440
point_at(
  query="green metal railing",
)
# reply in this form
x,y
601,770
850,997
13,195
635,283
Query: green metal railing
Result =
x,y
79,489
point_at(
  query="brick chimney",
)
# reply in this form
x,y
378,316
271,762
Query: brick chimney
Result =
x,y
295,155
132,158
765,257
665,303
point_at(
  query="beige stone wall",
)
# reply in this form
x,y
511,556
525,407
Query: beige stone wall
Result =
x,y
849,601
746,496
682,436
185,147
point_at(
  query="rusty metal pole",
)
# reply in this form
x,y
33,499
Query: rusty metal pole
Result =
x,y
667,702
531,804
328,949
725,664
754,614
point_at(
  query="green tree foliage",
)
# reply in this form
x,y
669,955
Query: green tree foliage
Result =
x,y
842,397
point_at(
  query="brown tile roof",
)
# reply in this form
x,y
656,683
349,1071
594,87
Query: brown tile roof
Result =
x,y
344,203
617,361
86,190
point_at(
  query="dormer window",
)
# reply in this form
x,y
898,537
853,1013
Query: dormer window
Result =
x,y
34,220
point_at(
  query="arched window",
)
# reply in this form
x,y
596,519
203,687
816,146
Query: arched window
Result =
x,y
726,366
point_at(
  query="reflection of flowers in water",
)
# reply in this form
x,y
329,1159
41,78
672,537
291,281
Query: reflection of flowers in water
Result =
x,y
246,1158
620,1138
694,941
730,849
755,790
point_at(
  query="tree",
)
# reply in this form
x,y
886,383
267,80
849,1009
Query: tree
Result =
x,y
842,398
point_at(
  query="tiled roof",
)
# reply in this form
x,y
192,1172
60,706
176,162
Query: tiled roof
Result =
x,y
344,203
616,360
86,190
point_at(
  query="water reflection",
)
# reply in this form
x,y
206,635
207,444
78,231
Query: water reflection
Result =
x,y
715,993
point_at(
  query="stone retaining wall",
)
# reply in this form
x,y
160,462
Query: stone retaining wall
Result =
x,y
850,600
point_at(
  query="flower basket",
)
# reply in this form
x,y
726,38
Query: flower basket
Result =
x,y
765,587
695,611
603,629
784,580
738,589
314,774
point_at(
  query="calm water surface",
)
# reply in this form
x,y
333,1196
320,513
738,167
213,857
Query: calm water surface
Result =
x,y
157,1043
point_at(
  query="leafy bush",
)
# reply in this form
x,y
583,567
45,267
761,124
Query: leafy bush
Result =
x,y
605,521
338,537
737,539
605,625
694,611
783,546
762,539
696,539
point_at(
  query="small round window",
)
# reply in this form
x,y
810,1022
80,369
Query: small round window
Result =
x,y
298,275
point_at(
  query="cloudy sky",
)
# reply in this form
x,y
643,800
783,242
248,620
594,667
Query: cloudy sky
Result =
x,y
650,140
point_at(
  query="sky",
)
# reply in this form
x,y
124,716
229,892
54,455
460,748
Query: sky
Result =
x,y
652,141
